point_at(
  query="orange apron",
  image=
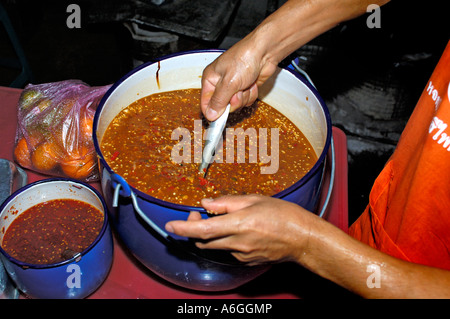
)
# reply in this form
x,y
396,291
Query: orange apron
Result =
x,y
408,215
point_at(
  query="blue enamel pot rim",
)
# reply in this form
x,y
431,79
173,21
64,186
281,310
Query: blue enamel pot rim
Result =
x,y
77,256
186,208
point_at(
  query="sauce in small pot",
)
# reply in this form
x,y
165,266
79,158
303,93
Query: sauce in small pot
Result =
x,y
52,231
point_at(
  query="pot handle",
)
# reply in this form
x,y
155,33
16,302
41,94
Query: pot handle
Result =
x,y
330,186
294,63
118,183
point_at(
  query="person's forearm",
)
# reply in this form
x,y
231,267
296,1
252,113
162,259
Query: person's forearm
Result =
x,y
367,271
299,21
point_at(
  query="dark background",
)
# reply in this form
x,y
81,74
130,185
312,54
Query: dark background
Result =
x,y
369,78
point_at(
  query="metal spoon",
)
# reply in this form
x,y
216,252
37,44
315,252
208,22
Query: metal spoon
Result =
x,y
213,137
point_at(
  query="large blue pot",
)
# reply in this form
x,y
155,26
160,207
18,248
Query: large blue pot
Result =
x,y
77,277
140,218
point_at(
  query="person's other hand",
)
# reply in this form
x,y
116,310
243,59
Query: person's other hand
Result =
x,y
256,229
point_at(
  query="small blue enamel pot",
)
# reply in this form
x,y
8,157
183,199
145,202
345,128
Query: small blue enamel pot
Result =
x,y
77,277
140,218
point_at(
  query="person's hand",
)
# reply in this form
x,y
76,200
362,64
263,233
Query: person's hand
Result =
x,y
256,229
234,78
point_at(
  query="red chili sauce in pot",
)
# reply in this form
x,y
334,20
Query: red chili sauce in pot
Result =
x,y
139,145
52,231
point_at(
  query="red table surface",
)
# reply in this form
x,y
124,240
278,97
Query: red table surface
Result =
x,y
128,278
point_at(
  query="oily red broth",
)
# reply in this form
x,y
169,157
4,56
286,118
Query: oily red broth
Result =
x,y
140,143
